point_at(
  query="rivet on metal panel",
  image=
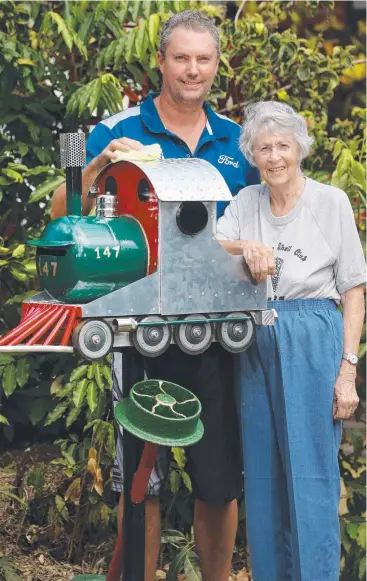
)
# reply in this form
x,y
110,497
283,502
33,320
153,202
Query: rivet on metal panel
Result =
x,y
86,312
131,310
203,294
255,291
215,294
190,297
243,294
213,261
109,312
229,292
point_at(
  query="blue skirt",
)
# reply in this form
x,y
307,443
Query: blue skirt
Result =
x,y
290,443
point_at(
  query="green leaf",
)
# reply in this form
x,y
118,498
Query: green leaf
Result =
x,y
80,392
56,413
303,73
61,507
174,481
179,456
191,567
45,189
187,481
19,251
13,175
22,373
359,174
23,149
6,358
130,44
153,28
18,299
9,380
43,169
142,39
95,96
86,27
3,420
73,415
18,271
173,537
62,28
79,372
92,396
98,376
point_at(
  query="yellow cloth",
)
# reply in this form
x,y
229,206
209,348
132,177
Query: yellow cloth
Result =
x,y
146,153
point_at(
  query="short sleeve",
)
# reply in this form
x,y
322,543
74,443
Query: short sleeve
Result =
x,y
98,140
350,266
228,227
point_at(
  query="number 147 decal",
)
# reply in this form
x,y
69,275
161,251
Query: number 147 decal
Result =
x,y
107,251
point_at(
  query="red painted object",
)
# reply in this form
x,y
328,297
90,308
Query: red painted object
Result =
x,y
41,323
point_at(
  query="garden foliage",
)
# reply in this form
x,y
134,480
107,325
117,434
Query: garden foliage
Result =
x,y
66,65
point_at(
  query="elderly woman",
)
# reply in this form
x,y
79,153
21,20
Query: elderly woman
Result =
x,y
298,378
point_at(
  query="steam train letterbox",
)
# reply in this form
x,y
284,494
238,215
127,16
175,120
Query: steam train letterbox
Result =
x,y
145,271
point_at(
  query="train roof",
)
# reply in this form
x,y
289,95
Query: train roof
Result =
x,y
179,180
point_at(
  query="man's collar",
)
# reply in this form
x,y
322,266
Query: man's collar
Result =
x,y
217,125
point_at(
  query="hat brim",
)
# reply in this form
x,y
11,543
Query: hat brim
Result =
x,y
89,578
139,432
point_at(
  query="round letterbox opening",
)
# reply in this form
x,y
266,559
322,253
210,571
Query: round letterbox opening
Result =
x,y
111,186
192,217
144,192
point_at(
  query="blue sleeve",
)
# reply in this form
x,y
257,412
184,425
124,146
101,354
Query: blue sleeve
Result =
x,y
100,137
253,175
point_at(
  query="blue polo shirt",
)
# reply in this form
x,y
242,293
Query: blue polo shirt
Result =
x,y
218,144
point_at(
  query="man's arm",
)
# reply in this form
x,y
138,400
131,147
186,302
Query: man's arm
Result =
x,y
58,204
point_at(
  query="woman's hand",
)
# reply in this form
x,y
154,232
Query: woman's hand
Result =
x,y
345,393
259,258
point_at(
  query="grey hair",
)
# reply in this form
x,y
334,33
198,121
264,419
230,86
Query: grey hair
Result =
x,y
193,19
277,117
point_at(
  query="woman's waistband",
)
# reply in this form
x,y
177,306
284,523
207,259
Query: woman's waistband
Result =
x,y
303,305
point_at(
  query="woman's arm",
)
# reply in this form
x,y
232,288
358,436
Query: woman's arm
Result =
x,y
345,394
259,258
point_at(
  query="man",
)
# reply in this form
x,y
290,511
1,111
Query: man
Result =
x,y
185,126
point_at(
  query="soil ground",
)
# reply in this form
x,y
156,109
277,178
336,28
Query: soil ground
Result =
x,y
26,554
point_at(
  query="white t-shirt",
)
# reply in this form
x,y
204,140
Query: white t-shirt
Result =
x,y
317,248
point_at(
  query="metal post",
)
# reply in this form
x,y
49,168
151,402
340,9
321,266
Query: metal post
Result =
x,y
134,514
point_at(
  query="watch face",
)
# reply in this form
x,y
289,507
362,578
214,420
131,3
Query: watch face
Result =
x,y
353,359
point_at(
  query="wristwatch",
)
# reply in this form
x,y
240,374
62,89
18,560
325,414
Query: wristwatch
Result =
x,y
351,357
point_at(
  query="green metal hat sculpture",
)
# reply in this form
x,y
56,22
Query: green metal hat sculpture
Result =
x,y
90,578
161,412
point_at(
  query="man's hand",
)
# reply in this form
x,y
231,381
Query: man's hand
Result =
x,y
259,258
345,393
109,153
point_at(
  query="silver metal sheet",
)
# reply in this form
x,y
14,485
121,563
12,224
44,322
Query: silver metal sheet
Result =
x,y
198,275
35,349
43,297
139,298
182,180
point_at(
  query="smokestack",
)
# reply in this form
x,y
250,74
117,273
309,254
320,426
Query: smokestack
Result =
x,y
73,159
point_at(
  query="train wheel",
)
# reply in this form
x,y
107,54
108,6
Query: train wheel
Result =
x,y
235,336
194,339
93,339
152,340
